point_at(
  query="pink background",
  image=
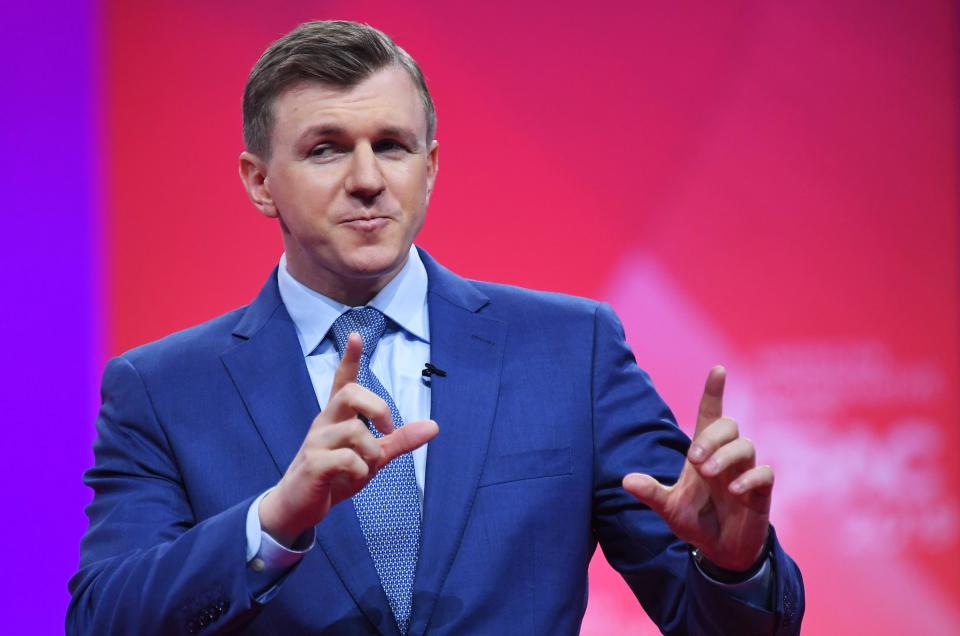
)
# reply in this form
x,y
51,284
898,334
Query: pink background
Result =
x,y
770,185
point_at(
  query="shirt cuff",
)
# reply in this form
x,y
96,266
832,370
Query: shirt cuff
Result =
x,y
268,562
755,590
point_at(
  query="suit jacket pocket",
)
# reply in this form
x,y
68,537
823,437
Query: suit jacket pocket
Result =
x,y
532,464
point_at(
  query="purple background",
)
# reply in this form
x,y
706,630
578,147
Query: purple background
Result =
x,y
51,233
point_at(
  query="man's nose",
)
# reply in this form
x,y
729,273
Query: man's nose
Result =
x,y
364,181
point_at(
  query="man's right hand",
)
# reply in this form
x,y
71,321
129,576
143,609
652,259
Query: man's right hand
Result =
x,y
339,454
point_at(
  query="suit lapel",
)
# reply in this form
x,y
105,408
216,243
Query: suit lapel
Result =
x,y
469,347
269,371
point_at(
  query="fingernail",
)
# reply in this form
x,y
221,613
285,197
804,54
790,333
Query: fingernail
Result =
x,y
696,452
737,486
711,467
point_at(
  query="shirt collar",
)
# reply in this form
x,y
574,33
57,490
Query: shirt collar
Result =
x,y
403,300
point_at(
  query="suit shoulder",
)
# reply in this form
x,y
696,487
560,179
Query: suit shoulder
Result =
x,y
205,340
532,300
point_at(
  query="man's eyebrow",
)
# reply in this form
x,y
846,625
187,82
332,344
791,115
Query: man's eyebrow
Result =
x,y
321,130
405,135
402,133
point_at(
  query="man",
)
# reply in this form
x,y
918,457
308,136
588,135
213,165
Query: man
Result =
x,y
473,444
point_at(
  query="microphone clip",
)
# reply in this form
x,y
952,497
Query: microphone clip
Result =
x,y
430,370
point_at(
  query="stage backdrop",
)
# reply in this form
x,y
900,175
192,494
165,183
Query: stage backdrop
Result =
x,y
768,185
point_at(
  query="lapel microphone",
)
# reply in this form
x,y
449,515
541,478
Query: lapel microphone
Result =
x,y
430,370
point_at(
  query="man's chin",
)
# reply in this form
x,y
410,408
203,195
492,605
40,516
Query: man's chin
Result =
x,y
374,263
375,257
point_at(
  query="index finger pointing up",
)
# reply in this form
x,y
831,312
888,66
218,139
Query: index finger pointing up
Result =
x,y
711,404
349,364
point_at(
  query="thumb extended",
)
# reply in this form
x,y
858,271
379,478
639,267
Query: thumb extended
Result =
x,y
647,490
407,438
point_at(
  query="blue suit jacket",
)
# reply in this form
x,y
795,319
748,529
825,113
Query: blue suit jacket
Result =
x,y
542,412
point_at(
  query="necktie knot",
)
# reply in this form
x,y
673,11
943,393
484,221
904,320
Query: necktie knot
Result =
x,y
370,323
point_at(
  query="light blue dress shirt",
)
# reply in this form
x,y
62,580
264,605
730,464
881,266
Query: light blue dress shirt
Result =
x,y
398,360
400,356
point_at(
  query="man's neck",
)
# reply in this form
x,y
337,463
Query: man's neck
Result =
x,y
352,292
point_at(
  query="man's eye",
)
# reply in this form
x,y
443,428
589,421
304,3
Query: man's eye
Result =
x,y
322,151
389,146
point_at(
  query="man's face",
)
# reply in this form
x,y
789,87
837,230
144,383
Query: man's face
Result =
x,y
350,176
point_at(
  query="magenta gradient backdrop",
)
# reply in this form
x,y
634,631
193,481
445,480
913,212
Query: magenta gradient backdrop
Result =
x,y
771,185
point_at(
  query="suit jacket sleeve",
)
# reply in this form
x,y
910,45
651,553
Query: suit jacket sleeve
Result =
x,y
146,565
635,431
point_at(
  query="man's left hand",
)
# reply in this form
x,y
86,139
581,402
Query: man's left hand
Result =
x,y
721,502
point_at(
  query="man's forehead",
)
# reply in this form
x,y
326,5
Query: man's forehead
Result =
x,y
388,89
386,99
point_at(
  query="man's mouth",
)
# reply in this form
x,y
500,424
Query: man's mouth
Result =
x,y
366,224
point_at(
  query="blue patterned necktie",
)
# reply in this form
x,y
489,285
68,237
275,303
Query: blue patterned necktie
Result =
x,y
388,507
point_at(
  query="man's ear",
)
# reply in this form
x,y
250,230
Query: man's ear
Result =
x,y
433,165
253,173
